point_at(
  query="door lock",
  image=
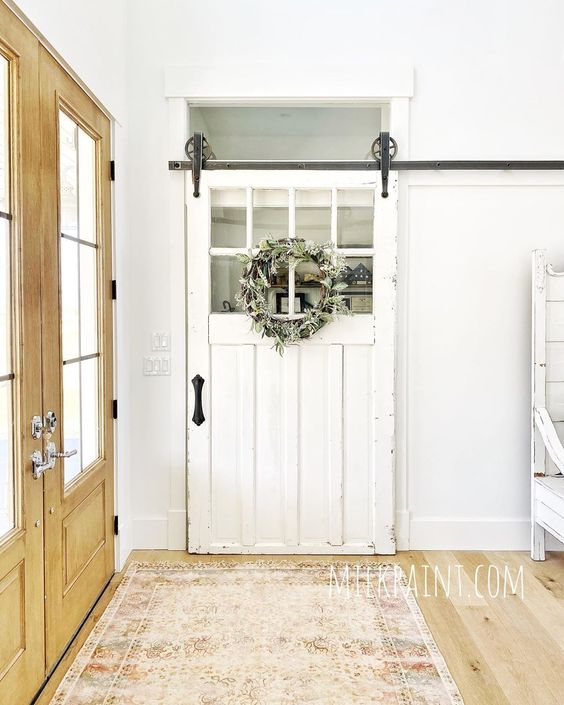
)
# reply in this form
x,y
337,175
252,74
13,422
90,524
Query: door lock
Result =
x,y
42,463
40,426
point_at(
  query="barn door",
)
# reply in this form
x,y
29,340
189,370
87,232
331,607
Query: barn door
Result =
x,y
295,454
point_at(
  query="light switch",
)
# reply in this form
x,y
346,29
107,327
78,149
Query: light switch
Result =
x,y
160,342
154,366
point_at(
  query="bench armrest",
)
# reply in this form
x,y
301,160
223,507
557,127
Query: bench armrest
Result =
x,y
551,440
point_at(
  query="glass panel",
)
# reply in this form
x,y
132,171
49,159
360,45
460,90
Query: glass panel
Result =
x,y
90,412
270,215
7,498
228,218
355,218
69,299
71,418
4,136
86,187
69,169
5,309
358,275
88,301
313,215
308,289
225,275
288,132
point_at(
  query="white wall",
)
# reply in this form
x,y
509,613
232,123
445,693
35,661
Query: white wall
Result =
x,y
488,84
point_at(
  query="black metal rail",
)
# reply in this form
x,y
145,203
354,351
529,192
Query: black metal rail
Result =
x,y
385,163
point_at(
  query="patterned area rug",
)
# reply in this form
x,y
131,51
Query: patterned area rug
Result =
x,y
260,633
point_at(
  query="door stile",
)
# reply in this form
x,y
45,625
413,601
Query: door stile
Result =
x,y
247,425
198,306
385,272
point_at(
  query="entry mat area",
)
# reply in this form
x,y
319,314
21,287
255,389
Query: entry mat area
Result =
x,y
260,633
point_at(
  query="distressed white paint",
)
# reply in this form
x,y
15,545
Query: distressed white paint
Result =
x,y
547,451
296,453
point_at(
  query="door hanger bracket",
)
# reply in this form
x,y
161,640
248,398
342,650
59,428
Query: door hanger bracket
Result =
x,y
384,149
198,152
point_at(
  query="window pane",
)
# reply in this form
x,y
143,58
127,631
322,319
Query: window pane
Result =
x,y
228,218
71,418
69,299
225,275
358,275
4,136
289,131
270,215
90,412
308,275
313,215
7,499
88,301
5,309
355,218
69,169
86,186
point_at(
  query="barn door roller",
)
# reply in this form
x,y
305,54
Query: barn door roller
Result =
x,y
384,149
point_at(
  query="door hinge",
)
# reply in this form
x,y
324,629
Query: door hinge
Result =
x,y
112,170
114,409
116,525
114,289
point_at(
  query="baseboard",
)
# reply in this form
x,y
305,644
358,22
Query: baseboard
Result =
x,y
123,545
470,534
177,537
150,532
402,530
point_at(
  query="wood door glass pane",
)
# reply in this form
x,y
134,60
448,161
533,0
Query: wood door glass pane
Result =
x,y
228,218
358,275
270,214
313,215
80,305
355,218
7,468
225,274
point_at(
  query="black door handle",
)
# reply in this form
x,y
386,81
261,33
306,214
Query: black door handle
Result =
x,y
198,418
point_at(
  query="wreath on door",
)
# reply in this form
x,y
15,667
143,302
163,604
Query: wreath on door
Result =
x,y
260,274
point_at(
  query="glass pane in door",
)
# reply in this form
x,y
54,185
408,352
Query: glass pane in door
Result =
x,y
7,469
80,305
270,214
313,215
355,218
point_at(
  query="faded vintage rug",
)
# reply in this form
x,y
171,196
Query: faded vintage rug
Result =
x,y
260,633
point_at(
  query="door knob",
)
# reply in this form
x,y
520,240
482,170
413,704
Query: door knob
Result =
x,y
42,463
64,453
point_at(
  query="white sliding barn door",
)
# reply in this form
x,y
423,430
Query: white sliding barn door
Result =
x,y
296,453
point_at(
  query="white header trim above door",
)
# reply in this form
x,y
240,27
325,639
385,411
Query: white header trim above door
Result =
x,y
263,83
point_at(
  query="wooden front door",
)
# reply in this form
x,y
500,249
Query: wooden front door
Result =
x,y
295,454
22,662
77,351
56,513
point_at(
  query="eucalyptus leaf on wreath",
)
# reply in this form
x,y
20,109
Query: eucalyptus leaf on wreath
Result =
x,y
274,255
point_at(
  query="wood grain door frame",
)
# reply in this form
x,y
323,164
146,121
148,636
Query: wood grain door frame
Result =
x,y
21,551
72,513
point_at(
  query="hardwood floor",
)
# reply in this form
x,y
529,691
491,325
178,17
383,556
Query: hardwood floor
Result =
x,y
500,650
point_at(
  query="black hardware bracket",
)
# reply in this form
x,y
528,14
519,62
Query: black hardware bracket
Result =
x,y
384,150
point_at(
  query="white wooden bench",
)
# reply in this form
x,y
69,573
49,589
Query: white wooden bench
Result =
x,y
547,433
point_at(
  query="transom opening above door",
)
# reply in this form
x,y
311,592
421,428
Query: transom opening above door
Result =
x,y
342,132
241,218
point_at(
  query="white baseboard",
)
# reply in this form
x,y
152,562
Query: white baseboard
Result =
x,y
470,534
150,532
122,545
402,530
177,536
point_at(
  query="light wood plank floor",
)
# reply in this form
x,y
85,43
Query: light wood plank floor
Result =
x,y
500,651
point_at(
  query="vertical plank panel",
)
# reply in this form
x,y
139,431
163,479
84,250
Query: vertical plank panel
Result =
x,y
290,435
335,424
270,476
314,445
358,491
226,427
246,440
198,354
384,368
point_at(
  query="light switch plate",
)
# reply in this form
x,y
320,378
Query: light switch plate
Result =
x,y
160,342
156,366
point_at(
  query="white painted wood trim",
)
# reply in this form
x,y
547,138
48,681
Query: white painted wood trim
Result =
x,y
335,395
538,391
259,83
291,450
550,438
246,414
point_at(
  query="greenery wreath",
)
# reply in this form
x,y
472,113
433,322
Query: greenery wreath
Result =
x,y
259,273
